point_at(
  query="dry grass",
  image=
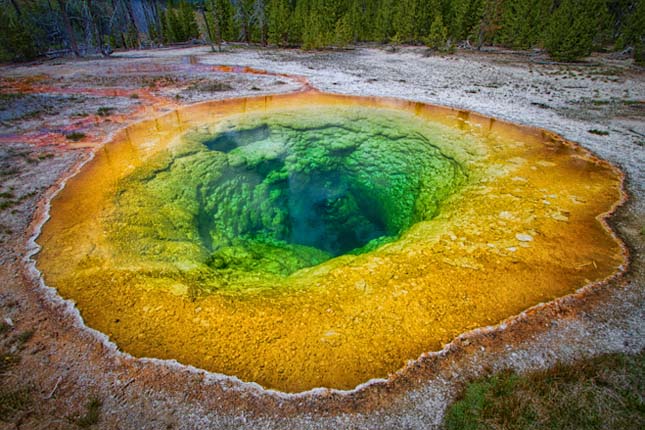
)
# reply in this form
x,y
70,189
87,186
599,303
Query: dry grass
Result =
x,y
603,393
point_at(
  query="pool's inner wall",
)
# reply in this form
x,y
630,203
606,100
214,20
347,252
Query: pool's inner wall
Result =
x,y
276,193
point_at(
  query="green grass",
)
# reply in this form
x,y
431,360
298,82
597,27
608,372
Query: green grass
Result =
x,y
92,413
602,393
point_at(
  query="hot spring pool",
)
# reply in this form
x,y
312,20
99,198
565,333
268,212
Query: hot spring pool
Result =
x,y
309,239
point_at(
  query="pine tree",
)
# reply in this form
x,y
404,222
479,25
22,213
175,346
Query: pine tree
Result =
x,y
356,12
243,18
632,32
466,15
404,20
186,14
279,18
383,28
320,26
224,11
297,22
344,32
423,18
491,12
165,27
573,27
438,36
523,22
16,40
260,19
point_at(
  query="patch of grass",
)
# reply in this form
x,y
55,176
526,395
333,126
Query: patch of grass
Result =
x,y
24,337
6,204
75,136
134,96
7,169
215,87
604,392
7,195
13,401
210,87
4,327
92,413
104,111
7,359
10,96
598,132
32,114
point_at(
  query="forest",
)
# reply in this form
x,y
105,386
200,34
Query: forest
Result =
x,y
566,29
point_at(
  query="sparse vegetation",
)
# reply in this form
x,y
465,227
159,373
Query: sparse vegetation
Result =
x,y
598,132
92,413
13,401
210,87
604,392
24,337
104,111
7,359
4,326
75,136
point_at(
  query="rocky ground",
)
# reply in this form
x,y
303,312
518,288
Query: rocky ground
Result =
x,y
55,373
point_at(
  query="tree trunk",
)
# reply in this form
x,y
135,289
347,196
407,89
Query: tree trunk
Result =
x,y
68,28
208,26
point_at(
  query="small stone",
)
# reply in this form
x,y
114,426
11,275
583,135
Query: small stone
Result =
x,y
522,237
559,217
361,285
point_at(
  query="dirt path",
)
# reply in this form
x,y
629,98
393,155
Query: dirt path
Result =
x,y
53,115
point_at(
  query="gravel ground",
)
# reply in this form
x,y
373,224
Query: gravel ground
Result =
x,y
599,103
